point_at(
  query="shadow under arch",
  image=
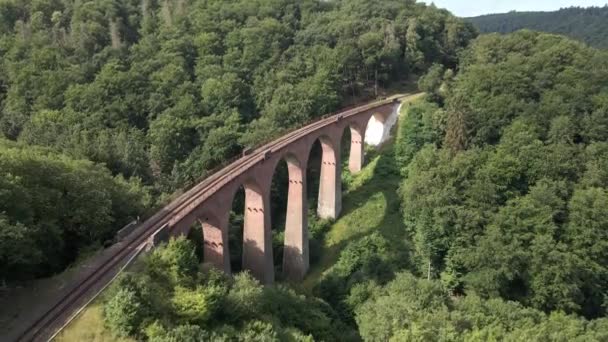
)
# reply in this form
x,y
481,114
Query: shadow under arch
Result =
x,y
235,229
279,192
346,143
313,175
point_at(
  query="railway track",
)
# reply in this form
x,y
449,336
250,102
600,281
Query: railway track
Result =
x,y
87,288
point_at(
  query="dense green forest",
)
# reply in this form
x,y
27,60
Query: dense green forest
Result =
x,y
589,25
109,106
504,198
134,99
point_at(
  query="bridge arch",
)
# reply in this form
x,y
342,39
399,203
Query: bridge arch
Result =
x,y
213,195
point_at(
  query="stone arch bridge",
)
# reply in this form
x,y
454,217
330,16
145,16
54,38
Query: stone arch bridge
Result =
x,y
211,209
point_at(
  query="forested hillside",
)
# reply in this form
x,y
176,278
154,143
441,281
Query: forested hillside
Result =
x,y
589,25
158,92
506,193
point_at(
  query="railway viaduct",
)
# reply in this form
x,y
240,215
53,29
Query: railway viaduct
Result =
x,y
207,206
211,211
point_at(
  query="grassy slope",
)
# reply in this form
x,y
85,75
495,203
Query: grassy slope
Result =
x,y
88,326
370,204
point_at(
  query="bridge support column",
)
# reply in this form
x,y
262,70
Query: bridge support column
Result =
x,y
357,153
257,235
215,235
295,252
330,186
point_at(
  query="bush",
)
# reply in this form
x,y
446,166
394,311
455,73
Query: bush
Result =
x,y
198,305
317,228
422,124
368,258
243,299
306,314
176,263
257,331
431,81
124,313
185,333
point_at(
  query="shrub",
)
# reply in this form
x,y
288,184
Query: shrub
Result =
x,y
243,299
198,305
176,262
124,312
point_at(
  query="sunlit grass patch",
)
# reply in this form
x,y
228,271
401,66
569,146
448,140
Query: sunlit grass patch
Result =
x,y
370,203
359,221
89,326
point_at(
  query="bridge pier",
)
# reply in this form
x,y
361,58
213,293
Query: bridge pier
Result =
x,y
330,185
257,235
357,150
215,236
295,251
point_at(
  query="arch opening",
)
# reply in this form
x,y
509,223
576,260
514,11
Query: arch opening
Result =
x,y
279,193
316,225
313,175
235,230
346,144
